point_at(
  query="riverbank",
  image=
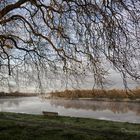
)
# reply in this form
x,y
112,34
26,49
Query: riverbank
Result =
x,y
97,95
16,94
38,127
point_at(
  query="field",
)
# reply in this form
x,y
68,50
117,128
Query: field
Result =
x,y
97,93
37,127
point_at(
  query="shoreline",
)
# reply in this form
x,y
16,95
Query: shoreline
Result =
x,y
135,100
16,94
130,100
97,95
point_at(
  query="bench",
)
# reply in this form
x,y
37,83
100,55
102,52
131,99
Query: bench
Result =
x,y
45,113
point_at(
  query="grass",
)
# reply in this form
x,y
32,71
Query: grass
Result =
x,y
15,126
72,94
97,93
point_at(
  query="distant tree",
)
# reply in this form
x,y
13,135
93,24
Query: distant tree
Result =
x,y
71,35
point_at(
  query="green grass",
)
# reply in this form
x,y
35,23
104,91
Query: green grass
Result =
x,y
15,126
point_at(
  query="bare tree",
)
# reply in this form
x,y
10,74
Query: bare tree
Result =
x,y
71,35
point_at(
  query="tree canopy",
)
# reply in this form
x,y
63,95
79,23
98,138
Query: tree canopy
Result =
x,y
70,35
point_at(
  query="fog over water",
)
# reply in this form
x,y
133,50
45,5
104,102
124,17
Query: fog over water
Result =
x,y
115,111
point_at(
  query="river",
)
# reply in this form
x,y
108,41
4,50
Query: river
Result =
x,y
115,111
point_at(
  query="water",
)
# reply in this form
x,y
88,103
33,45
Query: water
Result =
x,y
115,111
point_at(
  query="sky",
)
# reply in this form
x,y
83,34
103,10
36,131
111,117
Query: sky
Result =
x,y
115,81
53,84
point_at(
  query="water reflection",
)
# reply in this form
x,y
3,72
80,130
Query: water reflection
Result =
x,y
9,103
115,107
117,111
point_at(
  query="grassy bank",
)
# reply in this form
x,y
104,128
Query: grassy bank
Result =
x,y
17,94
37,127
97,93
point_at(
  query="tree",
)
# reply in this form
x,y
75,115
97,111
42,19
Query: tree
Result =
x,y
71,35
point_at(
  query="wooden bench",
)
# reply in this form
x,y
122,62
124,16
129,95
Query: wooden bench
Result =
x,y
45,113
